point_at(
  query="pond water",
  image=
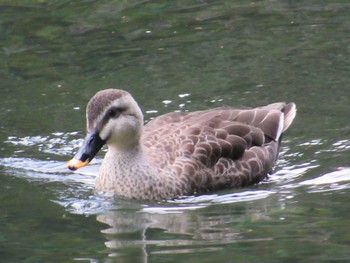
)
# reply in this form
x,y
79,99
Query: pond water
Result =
x,y
173,55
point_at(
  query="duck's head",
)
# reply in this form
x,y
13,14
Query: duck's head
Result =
x,y
113,118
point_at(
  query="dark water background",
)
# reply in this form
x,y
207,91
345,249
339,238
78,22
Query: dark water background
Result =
x,y
173,55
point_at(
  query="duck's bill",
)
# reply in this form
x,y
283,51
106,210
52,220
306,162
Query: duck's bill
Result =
x,y
91,145
74,164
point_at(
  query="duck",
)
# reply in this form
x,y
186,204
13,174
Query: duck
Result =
x,y
179,153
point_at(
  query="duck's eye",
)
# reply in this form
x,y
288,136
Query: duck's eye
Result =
x,y
112,112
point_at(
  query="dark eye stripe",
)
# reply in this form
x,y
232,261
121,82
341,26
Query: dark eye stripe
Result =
x,y
112,113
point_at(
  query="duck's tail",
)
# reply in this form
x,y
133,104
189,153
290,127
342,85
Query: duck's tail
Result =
x,y
289,111
284,115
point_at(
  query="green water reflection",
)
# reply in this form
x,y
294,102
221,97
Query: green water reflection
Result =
x,y
54,55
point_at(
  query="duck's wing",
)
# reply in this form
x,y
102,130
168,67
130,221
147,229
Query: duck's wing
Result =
x,y
271,120
219,148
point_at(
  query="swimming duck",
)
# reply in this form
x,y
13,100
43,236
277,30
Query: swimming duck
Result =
x,y
179,153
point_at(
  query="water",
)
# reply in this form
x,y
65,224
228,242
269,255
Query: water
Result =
x,y
173,55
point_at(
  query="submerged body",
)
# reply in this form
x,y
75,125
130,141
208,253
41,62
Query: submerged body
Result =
x,y
180,153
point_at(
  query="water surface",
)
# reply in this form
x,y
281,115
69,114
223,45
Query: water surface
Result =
x,y
173,55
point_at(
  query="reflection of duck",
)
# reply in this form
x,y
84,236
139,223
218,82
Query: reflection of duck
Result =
x,y
180,153
137,234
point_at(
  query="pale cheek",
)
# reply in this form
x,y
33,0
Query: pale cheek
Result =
x,y
108,130
125,130
104,134
120,130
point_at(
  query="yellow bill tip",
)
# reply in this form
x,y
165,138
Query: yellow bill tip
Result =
x,y
75,164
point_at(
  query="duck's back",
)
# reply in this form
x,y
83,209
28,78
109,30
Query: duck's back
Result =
x,y
218,148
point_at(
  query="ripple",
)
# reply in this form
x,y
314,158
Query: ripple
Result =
x,y
75,190
291,173
47,168
58,143
196,202
336,180
88,205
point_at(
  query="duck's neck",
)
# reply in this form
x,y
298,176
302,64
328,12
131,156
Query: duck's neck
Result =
x,y
129,173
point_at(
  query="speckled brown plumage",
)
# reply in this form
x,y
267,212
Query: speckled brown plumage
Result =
x,y
182,153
